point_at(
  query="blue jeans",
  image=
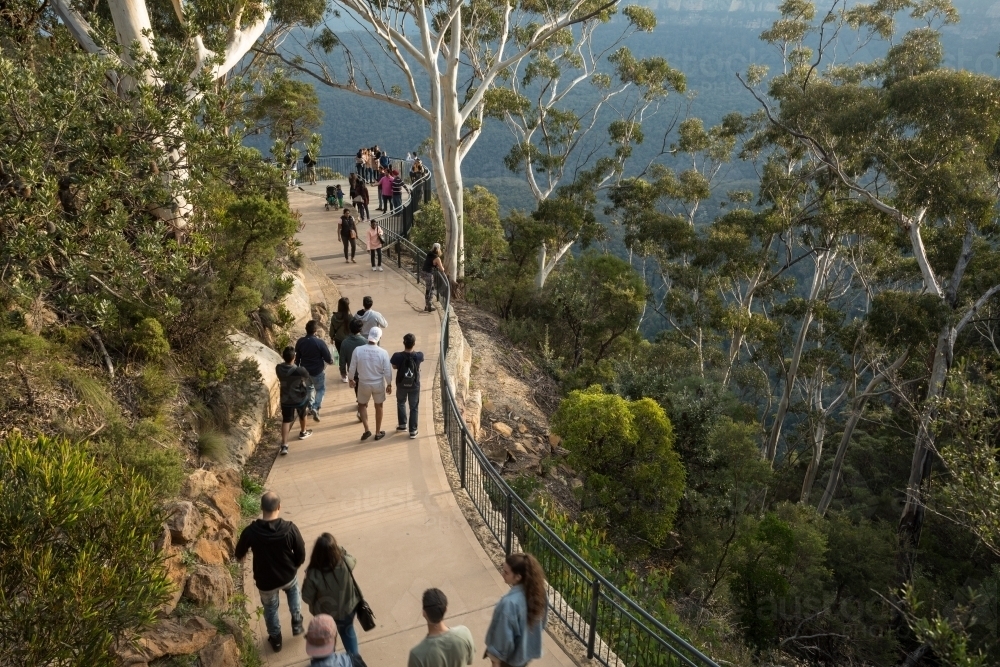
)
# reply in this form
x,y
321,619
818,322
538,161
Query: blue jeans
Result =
x,y
397,200
319,381
269,600
404,396
345,627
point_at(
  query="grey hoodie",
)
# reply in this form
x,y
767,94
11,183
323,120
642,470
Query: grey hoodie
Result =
x,y
371,318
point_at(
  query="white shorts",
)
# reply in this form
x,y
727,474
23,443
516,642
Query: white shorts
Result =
x,y
366,392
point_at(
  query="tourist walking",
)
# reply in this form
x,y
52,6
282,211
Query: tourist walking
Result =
x,y
407,365
347,229
359,163
329,587
370,318
295,387
347,348
514,637
359,197
443,646
374,373
432,263
321,645
312,352
385,191
278,552
310,163
340,329
374,243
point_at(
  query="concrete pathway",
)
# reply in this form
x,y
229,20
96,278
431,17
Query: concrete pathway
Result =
x,y
387,502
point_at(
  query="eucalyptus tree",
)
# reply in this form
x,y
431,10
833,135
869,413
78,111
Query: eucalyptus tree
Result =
x,y
915,143
448,61
554,128
213,38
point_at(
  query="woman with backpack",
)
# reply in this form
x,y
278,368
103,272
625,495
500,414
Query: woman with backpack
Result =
x,y
347,230
514,637
329,587
340,328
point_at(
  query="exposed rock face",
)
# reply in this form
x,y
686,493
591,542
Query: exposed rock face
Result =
x,y
177,574
211,552
503,429
474,411
199,483
209,585
184,523
221,652
169,637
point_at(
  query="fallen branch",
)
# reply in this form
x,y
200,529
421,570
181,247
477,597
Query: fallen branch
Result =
x,y
99,344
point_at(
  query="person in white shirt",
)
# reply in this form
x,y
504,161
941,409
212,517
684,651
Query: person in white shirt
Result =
x,y
370,318
374,373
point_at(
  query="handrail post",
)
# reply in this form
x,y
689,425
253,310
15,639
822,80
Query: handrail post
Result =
x,y
595,593
462,455
509,533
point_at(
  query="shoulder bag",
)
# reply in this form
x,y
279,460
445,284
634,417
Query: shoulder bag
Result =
x,y
366,617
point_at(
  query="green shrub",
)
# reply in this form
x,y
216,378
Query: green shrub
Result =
x,y
149,340
624,450
77,564
156,389
147,449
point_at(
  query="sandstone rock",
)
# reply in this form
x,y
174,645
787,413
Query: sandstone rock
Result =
x,y
221,652
233,627
184,523
209,585
164,540
169,637
230,477
520,448
503,429
226,499
488,405
211,552
560,451
576,483
199,483
177,574
521,428
555,440
474,411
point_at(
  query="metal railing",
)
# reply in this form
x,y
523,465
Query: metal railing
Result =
x,y
615,630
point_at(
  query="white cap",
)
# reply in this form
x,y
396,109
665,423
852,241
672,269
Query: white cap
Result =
x,y
375,334
436,245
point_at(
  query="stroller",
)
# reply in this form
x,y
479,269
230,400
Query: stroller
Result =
x,y
331,197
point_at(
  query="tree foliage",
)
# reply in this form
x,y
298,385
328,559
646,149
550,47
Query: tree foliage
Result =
x,y
624,450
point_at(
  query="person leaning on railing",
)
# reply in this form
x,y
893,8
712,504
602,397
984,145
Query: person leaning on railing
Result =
x,y
431,263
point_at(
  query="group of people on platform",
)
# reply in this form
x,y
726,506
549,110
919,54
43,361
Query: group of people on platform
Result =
x,y
329,587
331,592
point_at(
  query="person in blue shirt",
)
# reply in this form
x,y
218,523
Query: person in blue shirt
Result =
x,y
407,365
312,353
514,637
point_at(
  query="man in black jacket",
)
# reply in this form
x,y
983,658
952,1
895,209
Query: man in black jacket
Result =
x,y
278,552
312,353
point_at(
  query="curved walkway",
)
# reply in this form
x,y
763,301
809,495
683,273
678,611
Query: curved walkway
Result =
x,y
388,502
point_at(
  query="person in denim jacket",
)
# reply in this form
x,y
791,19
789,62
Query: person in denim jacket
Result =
x,y
514,637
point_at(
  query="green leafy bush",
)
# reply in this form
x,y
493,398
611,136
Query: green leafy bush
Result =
x,y
149,341
77,565
624,451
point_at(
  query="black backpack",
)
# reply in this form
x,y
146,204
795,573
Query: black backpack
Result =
x,y
300,389
409,373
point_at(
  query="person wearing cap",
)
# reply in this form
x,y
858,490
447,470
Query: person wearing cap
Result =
x,y
443,646
321,645
432,263
374,373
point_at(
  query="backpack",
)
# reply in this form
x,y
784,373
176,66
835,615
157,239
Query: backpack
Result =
x,y
301,390
408,373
